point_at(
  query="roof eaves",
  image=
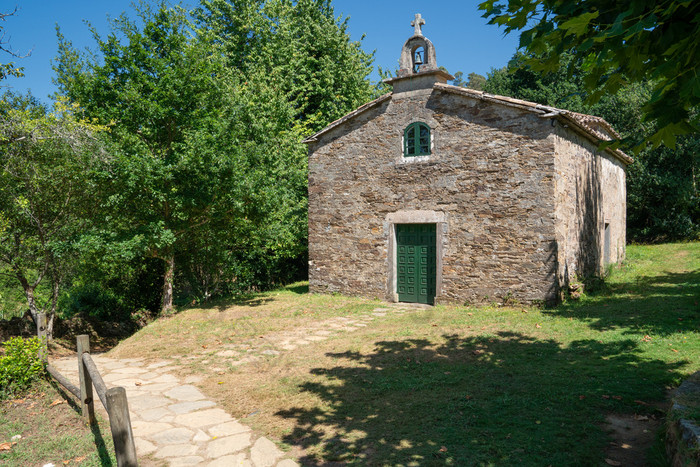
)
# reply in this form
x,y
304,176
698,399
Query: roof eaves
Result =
x,y
313,138
578,120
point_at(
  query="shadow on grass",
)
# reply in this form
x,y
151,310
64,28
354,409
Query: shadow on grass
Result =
x,y
660,305
507,399
103,451
298,289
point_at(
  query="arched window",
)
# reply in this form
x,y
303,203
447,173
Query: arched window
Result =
x,y
416,140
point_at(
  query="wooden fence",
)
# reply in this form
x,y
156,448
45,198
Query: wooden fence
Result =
x,y
113,399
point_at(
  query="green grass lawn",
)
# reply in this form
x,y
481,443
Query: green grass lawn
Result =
x,y
51,431
453,385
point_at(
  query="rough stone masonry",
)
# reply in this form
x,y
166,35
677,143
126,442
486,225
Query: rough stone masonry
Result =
x,y
522,198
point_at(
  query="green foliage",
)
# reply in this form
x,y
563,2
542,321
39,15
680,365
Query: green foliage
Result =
x,y
8,69
662,194
617,43
21,365
474,80
303,50
45,164
563,89
207,173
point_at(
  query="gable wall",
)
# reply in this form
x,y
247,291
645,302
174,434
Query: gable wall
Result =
x,y
489,185
590,191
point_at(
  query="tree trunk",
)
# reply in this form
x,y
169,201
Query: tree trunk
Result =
x,y
29,293
52,310
167,303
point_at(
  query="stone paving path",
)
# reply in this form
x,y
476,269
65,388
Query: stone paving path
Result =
x,y
174,422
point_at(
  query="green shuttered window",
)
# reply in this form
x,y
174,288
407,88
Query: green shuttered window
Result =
x,y
416,140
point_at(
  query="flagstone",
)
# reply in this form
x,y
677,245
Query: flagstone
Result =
x,y
264,453
176,450
143,447
173,436
186,407
229,445
186,461
185,393
238,460
228,429
203,418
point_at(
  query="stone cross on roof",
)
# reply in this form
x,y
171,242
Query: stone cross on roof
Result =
x,y
417,23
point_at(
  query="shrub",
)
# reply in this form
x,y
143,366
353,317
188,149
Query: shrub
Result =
x,y
21,365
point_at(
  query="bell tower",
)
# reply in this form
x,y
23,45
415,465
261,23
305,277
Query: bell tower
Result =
x,y
417,65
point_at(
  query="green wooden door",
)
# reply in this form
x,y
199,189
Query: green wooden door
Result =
x,y
416,262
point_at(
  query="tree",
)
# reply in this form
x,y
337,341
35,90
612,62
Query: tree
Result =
x,y
563,88
303,49
476,81
8,69
617,43
45,159
208,170
159,85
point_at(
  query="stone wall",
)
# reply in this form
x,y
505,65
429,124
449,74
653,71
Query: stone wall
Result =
x,y
489,180
590,192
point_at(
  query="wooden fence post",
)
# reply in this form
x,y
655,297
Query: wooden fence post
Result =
x,y
43,338
87,404
120,423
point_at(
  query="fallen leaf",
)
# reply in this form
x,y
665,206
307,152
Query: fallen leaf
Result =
x,y
204,346
612,462
470,314
138,383
6,446
220,382
56,402
641,402
674,350
625,446
219,372
443,449
80,459
434,325
537,326
66,462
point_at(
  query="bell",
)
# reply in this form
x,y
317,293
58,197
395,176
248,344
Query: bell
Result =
x,y
418,61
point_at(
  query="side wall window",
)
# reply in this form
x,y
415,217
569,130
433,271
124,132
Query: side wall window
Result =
x,y
416,140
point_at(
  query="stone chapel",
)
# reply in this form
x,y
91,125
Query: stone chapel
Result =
x,y
436,193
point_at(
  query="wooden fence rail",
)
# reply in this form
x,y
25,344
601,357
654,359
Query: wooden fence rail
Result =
x,y
113,399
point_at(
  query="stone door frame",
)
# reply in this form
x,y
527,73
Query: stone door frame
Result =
x,y
413,217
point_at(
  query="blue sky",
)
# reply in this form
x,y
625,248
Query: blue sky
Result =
x,y
462,39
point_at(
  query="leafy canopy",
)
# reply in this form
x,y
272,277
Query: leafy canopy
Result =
x,y
617,43
45,162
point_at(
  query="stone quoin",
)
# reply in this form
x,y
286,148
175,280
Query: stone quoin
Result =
x,y
438,193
